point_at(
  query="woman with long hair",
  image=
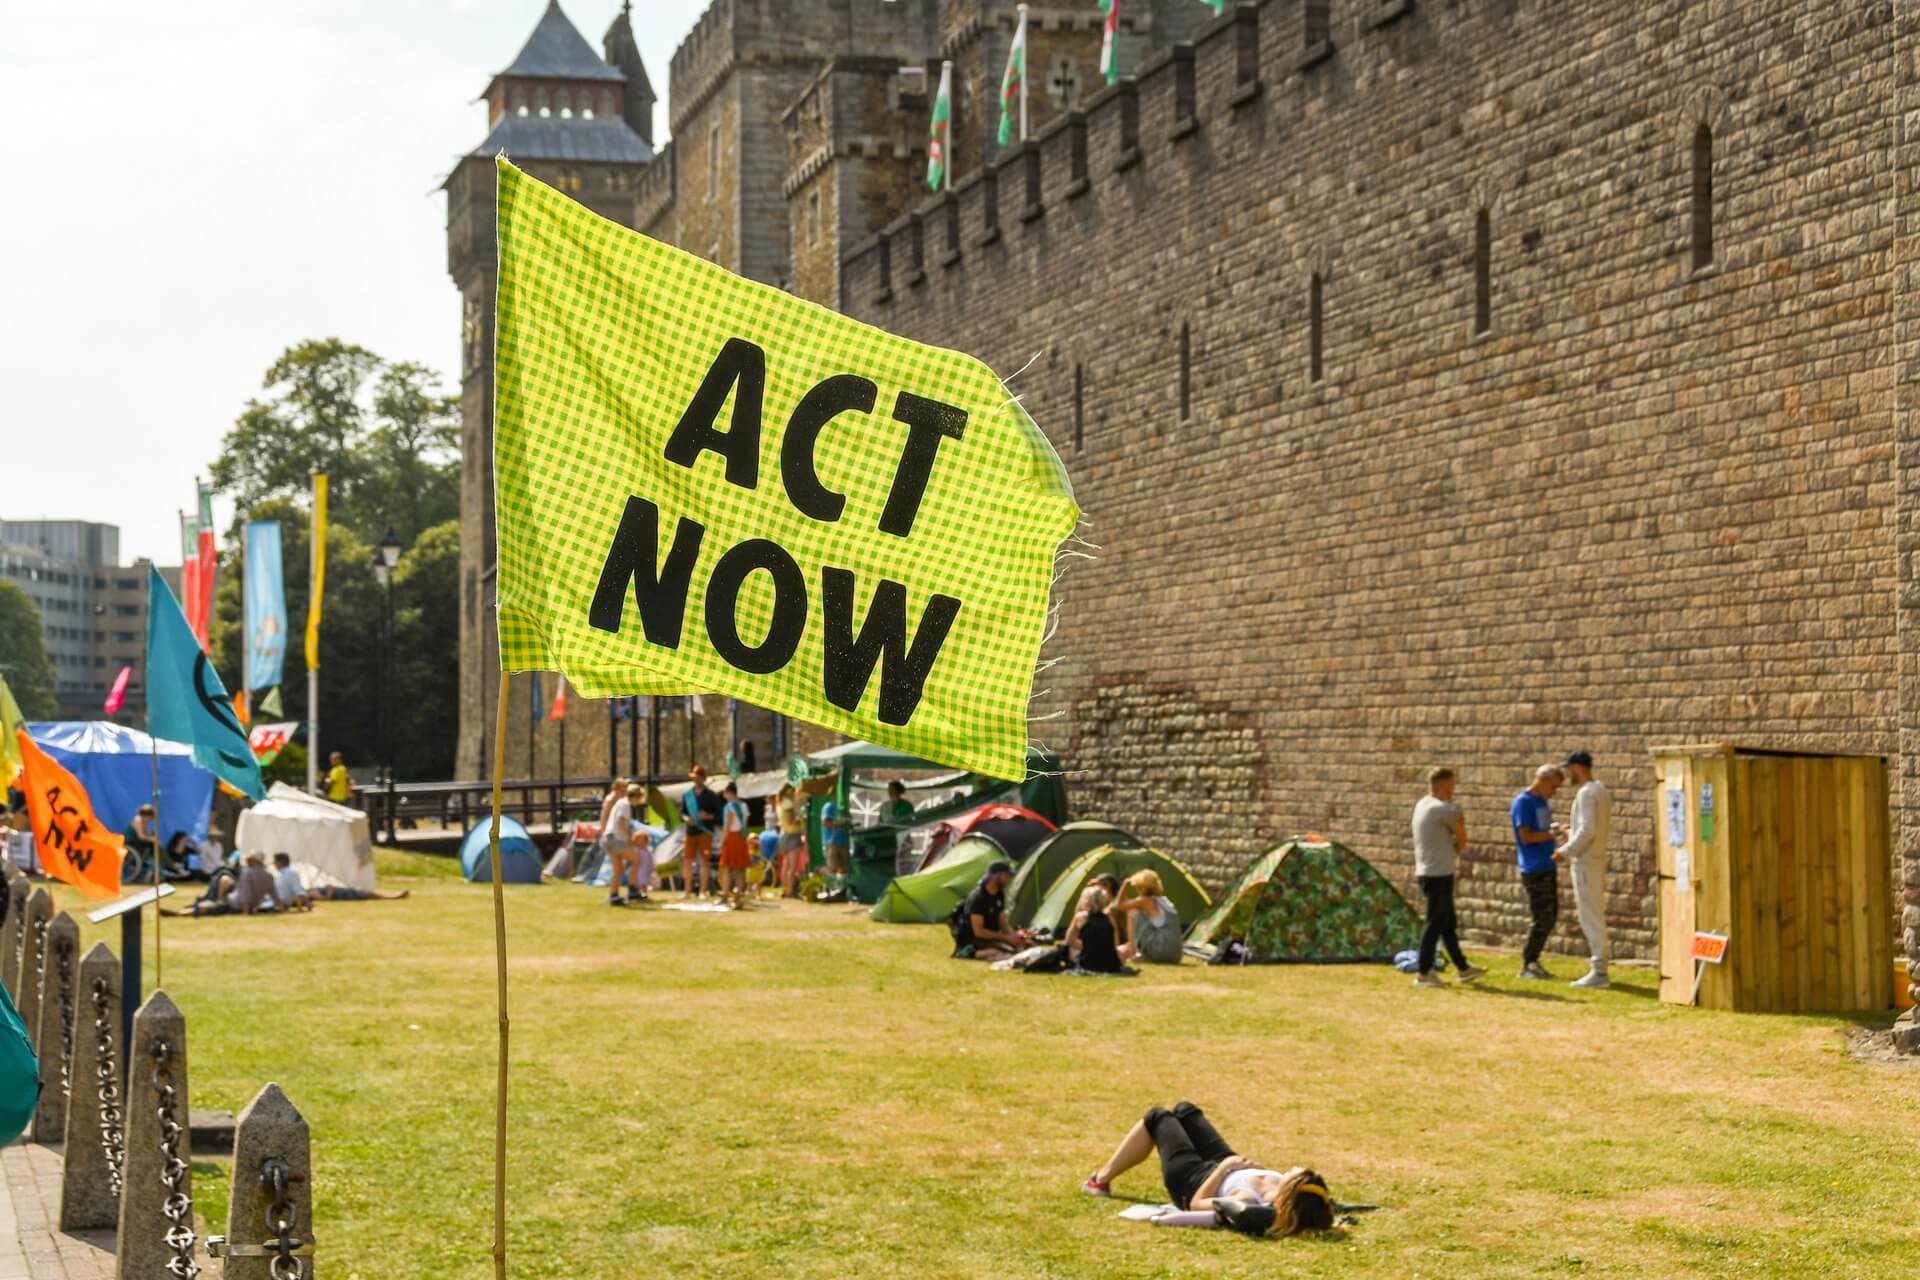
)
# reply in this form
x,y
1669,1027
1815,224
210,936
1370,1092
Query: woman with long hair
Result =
x,y
1209,1185
1146,920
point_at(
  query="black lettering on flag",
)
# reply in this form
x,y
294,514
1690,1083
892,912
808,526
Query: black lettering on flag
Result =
x,y
743,365
928,423
842,393
659,589
850,658
789,606
80,856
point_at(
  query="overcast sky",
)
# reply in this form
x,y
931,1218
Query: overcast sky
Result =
x,y
192,188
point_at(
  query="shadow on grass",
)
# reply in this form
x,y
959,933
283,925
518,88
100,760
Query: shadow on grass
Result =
x,y
1511,994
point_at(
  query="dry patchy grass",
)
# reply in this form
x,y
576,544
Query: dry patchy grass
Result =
x,y
802,1093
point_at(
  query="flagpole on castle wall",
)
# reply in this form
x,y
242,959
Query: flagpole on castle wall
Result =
x,y
1023,76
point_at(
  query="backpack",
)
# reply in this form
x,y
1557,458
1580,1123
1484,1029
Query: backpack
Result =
x,y
19,1073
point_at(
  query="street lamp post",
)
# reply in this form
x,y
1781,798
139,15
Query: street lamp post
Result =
x,y
385,557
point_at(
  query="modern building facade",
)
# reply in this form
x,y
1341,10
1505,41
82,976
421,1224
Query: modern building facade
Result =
x,y
93,609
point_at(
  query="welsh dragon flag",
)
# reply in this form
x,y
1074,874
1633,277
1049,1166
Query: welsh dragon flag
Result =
x,y
1109,60
941,131
1013,84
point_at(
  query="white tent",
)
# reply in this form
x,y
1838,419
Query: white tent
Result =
x,y
328,842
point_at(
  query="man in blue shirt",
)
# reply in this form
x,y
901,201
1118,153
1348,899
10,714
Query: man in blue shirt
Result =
x,y
1539,864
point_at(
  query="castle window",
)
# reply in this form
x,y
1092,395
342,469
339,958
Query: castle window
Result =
x,y
521,109
713,162
1186,371
1319,23
1316,316
1063,82
813,218
1482,272
1702,197
586,113
1079,407
566,113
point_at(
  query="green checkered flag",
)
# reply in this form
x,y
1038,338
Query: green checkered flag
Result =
x,y
707,484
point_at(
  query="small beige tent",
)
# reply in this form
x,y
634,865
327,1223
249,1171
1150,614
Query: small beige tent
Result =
x,y
328,842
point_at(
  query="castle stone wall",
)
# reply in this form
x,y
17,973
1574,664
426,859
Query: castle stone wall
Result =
x,y
1649,504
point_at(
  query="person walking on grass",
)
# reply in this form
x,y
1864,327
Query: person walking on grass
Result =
x,y
1439,838
1539,864
616,841
734,857
1585,853
696,808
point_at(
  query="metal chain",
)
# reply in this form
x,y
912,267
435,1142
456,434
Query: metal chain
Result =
x,y
113,1138
65,967
281,1219
40,961
177,1208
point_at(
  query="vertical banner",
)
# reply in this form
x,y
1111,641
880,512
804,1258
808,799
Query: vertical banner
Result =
x,y
186,702
266,606
190,569
72,845
11,722
207,556
318,588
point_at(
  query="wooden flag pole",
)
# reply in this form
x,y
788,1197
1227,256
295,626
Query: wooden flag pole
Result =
x,y
500,969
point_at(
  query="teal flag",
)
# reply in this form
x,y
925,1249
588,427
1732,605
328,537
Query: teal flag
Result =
x,y
186,702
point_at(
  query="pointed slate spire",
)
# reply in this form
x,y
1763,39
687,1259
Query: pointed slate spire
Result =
x,y
556,50
623,51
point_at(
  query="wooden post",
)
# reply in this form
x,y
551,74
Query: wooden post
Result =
x,y
38,916
272,1166
18,890
54,1036
96,1136
157,1177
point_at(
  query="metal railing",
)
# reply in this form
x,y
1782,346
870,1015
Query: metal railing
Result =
x,y
459,805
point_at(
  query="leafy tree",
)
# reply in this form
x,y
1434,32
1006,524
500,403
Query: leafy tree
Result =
x,y
24,664
426,650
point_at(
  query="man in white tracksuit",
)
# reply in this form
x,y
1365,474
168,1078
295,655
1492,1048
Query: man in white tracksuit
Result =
x,y
1585,852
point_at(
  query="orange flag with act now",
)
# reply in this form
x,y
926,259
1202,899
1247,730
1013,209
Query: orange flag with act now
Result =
x,y
70,841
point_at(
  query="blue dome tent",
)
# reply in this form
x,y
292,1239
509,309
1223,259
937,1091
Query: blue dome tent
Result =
x,y
116,765
519,860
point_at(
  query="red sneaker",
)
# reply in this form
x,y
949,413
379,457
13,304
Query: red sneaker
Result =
x,y
1094,1187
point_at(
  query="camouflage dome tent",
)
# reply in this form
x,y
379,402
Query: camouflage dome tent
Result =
x,y
1313,901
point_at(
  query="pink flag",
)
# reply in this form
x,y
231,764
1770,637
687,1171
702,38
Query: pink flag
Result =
x,y
118,695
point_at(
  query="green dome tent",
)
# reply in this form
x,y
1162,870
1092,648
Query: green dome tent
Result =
x,y
929,897
1054,855
1056,909
1313,901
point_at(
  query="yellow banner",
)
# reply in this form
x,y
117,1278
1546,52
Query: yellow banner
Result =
x,y
11,722
319,584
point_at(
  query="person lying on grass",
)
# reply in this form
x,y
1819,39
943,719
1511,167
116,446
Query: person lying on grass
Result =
x,y
1211,1185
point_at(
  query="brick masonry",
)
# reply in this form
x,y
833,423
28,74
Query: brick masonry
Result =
x,y
1651,503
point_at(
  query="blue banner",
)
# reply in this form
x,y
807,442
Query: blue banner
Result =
x,y
186,702
266,606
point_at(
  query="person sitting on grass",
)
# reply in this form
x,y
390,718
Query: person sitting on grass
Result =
x,y
1090,945
1152,925
1209,1184
288,891
979,924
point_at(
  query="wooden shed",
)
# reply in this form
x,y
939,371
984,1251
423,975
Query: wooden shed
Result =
x,y
1789,856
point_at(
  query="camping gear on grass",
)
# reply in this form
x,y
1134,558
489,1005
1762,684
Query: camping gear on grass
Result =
x,y
328,843
1056,909
929,897
1309,900
519,859
1013,828
1046,860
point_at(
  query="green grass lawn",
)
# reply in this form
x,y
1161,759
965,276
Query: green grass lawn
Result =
x,y
801,1092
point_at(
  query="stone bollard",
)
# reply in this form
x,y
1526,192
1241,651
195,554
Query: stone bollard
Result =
x,y
55,1038
156,1209
18,890
96,1133
33,943
270,1218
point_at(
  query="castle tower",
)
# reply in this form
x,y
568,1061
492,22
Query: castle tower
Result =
x,y
623,52
560,113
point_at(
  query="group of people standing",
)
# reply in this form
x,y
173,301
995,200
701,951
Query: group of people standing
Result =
x,y
1541,847
704,813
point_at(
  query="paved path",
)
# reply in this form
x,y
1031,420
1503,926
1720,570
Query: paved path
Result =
x,y
31,1242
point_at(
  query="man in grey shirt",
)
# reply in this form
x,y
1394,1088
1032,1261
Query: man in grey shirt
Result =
x,y
1439,835
1585,852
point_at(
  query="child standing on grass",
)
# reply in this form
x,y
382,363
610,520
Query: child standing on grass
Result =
x,y
734,857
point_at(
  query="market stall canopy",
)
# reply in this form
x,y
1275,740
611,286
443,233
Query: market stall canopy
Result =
x,y
116,765
328,843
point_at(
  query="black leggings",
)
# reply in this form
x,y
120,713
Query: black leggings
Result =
x,y
1543,903
1443,925
1189,1148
